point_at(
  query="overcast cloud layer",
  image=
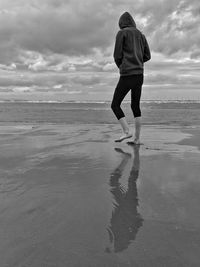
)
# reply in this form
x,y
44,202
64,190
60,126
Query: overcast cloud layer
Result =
x,y
56,48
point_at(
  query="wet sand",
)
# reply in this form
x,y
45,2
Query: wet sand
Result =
x,y
70,196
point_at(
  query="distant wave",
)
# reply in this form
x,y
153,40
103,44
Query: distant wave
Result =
x,y
170,101
54,101
97,102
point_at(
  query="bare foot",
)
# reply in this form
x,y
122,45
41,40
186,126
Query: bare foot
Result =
x,y
135,142
123,137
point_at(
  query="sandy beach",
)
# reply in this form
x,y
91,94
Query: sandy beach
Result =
x,y
71,196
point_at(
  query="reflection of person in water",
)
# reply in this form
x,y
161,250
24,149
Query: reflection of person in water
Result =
x,y
125,221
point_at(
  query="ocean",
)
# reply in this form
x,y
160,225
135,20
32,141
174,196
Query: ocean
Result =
x,y
184,113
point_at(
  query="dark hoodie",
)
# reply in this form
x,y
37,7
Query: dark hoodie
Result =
x,y
131,47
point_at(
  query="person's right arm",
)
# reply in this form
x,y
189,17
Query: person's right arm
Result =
x,y
118,50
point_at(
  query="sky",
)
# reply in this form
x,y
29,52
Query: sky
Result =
x,y
63,49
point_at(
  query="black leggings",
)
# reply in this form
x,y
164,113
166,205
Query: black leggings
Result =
x,y
125,84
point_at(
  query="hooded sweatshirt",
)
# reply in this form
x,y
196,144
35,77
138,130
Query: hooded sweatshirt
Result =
x,y
131,47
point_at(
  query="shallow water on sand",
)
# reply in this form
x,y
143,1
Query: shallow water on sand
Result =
x,y
70,196
169,113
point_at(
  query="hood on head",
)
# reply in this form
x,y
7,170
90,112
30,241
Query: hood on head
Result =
x,y
126,20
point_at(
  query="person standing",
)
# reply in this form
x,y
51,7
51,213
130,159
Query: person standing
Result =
x,y
130,52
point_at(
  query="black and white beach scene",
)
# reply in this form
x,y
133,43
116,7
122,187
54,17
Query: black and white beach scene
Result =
x,y
99,133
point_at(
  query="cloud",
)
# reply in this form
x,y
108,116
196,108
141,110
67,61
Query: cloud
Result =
x,y
77,28
70,27
176,29
6,90
28,79
22,89
109,67
67,45
6,67
195,54
86,80
48,81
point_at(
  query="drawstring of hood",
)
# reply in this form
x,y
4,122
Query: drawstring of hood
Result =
x,y
126,20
